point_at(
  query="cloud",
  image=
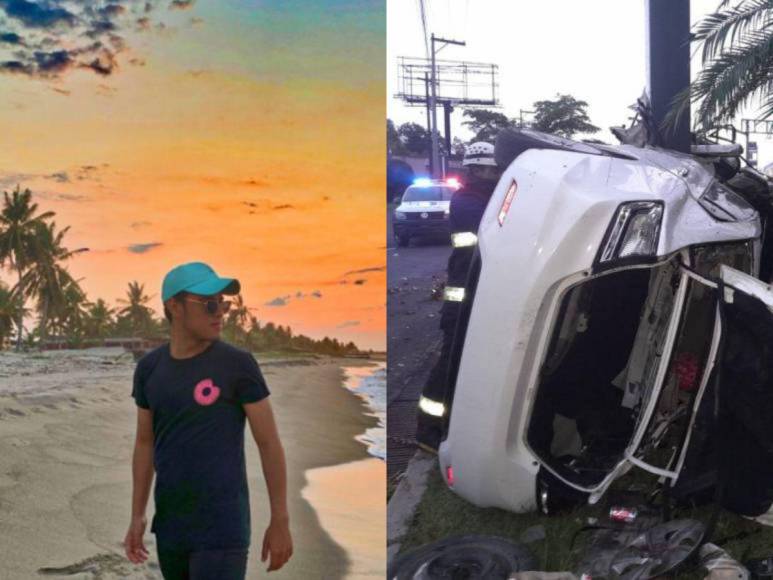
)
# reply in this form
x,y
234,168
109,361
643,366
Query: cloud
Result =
x,y
60,176
349,324
278,301
36,15
366,270
16,67
14,179
256,183
181,4
143,248
287,298
11,38
71,197
106,90
48,38
103,64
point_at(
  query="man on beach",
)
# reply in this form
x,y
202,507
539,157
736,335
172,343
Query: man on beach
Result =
x,y
193,395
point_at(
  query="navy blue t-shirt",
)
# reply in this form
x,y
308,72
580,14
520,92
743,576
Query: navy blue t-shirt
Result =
x,y
201,493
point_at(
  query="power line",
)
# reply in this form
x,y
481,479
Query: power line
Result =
x,y
424,26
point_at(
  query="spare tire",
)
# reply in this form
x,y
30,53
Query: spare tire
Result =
x,y
463,557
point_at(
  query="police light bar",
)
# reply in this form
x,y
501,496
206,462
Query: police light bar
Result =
x,y
453,182
422,181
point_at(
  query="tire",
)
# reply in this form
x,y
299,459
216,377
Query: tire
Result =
x,y
403,241
472,557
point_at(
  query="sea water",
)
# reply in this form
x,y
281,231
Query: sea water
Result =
x,y
369,383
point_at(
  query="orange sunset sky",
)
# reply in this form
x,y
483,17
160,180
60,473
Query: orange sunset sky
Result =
x,y
246,134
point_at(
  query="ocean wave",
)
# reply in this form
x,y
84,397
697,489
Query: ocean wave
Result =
x,y
369,383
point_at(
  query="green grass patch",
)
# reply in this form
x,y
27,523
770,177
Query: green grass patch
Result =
x,y
441,513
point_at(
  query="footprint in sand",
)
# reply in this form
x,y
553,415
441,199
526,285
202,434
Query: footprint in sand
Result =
x,y
107,566
15,412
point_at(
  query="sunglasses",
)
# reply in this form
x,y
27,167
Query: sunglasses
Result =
x,y
212,305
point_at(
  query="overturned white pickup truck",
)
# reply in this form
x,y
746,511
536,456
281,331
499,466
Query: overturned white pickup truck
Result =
x,y
613,318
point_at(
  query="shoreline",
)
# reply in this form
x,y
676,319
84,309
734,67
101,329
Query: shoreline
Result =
x,y
67,426
354,513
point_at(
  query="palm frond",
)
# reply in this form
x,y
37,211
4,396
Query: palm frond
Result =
x,y
732,79
723,28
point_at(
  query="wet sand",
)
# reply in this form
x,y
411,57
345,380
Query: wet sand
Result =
x,y
66,436
354,514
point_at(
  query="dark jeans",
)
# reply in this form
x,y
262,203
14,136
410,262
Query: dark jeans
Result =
x,y
226,564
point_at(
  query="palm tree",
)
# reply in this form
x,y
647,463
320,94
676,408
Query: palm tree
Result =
x,y
74,315
737,63
137,312
18,226
100,319
46,278
9,311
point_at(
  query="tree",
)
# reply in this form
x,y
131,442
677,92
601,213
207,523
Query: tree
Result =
x,y
136,313
565,116
735,64
19,223
72,318
47,279
394,144
457,147
9,311
486,124
415,138
99,320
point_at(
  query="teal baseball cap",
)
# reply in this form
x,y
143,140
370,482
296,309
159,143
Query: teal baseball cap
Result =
x,y
196,278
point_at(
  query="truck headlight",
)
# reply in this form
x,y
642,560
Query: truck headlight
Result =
x,y
724,204
634,231
399,215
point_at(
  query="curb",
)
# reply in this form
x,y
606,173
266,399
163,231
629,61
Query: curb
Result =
x,y
402,505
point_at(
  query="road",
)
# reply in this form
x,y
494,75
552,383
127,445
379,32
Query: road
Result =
x,y
413,335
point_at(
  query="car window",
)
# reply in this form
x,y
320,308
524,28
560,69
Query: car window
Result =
x,y
432,193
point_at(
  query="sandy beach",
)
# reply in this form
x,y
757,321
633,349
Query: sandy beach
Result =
x,y
66,436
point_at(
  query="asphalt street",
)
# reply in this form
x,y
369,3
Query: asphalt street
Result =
x,y
413,334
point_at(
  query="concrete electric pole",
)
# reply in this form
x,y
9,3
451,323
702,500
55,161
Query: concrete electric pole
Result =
x,y
668,65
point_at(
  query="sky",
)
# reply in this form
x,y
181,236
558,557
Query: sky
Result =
x,y
594,51
247,134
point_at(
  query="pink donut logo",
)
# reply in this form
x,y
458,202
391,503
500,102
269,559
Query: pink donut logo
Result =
x,y
205,392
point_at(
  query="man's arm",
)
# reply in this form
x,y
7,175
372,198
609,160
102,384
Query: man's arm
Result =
x,y
142,478
277,541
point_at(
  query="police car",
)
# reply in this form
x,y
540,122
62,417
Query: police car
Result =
x,y
611,314
423,209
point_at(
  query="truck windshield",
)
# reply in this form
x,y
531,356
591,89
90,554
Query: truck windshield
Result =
x,y
432,193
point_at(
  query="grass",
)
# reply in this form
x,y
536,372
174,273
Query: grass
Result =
x,y
441,513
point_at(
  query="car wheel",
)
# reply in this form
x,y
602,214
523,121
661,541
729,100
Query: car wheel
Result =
x,y
469,557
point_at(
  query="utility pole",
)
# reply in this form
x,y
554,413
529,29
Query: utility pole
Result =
x,y
433,99
668,65
429,121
